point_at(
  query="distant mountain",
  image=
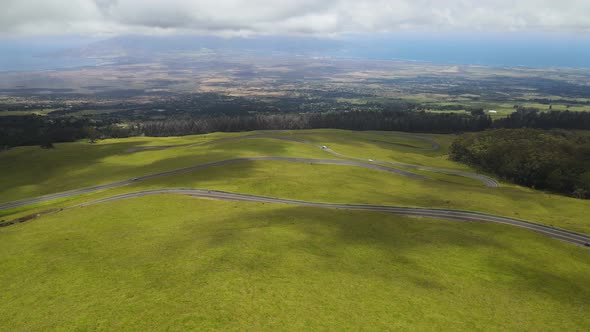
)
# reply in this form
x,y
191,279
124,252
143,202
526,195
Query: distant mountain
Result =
x,y
156,45
494,50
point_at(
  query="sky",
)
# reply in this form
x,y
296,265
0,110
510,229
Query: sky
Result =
x,y
533,33
299,17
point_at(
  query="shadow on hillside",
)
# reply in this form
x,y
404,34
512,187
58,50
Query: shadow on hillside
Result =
x,y
433,255
58,162
394,240
345,244
70,163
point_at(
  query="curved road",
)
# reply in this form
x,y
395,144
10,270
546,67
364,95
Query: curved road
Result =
x,y
482,178
432,148
34,200
433,144
458,215
564,235
358,162
355,162
560,234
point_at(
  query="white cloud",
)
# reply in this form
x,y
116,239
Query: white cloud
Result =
x,y
318,17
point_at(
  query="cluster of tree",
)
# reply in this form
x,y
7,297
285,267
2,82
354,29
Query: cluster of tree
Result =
x,y
44,131
524,109
532,118
391,120
549,101
33,130
399,120
450,107
37,130
554,160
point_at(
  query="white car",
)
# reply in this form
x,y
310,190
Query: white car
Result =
x,y
371,160
324,147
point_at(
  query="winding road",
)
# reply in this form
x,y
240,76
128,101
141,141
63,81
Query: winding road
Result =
x,y
457,215
358,162
560,234
482,178
45,198
433,144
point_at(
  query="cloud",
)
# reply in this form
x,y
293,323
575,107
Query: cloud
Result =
x,y
315,17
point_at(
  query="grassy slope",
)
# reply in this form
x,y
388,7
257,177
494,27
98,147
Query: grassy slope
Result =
x,y
341,184
331,183
36,172
368,145
175,262
29,112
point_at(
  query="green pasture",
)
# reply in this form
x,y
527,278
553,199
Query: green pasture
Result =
x,y
173,262
110,161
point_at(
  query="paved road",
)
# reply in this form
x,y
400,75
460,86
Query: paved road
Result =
x,y
564,235
485,179
560,234
433,144
432,148
70,193
356,162
482,178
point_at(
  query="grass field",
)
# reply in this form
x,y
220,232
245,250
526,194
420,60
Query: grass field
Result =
x,y
171,262
504,109
95,112
341,184
177,263
321,183
75,165
28,112
377,145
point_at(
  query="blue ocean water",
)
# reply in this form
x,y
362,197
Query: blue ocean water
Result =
x,y
528,50
20,61
39,53
507,49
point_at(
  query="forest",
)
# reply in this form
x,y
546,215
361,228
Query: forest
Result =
x,y
384,120
43,130
554,160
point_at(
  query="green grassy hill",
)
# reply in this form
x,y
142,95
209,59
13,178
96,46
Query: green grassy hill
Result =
x,y
177,262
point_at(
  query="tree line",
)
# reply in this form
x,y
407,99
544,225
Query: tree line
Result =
x,y
39,130
554,160
532,118
44,131
410,121
379,120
